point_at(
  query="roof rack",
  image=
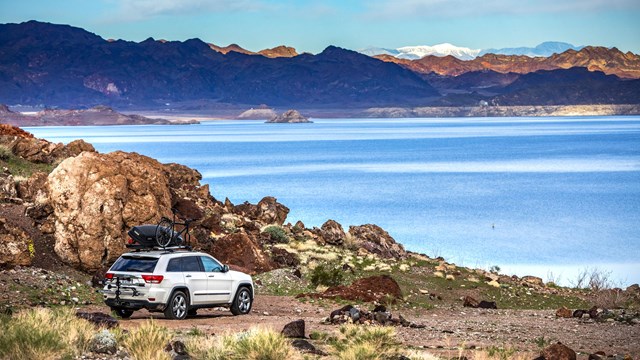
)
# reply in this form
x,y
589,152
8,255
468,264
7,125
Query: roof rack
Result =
x,y
160,248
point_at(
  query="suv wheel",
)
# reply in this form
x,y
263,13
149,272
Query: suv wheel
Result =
x,y
123,313
242,303
177,307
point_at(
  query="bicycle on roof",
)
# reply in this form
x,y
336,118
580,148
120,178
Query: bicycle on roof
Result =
x,y
166,233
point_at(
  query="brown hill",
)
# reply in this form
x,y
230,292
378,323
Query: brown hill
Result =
x,y
610,61
276,52
232,47
279,51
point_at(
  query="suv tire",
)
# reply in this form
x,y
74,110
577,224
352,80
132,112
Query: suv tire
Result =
x,y
242,302
177,307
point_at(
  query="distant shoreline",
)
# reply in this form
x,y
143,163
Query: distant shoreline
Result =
x,y
188,116
409,112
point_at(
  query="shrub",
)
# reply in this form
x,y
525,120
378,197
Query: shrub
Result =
x,y
366,343
5,153
44,334
327,275
255,344
277,234
148,342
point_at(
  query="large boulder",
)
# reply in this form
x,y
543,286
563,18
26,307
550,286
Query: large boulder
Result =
x,y
97,198
240,250
376,240
332,233
14,245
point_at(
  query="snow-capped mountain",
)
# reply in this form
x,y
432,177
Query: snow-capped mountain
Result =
x,y
544,49
417,52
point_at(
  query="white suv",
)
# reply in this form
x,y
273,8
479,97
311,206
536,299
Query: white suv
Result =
x,y
176,282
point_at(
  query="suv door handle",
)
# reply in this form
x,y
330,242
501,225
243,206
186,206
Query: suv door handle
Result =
x,y
212,276
187,276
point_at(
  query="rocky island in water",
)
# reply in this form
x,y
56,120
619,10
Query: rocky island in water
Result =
x,y
290,117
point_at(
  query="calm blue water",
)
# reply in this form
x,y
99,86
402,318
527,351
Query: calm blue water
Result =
x,y
531,195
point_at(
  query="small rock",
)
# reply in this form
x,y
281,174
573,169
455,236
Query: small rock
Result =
x,y
294,329
578,313
306,347
439,274
104,342
563,312
558,352
99,319
494,283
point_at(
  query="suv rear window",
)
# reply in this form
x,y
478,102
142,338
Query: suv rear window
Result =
x,y
135,264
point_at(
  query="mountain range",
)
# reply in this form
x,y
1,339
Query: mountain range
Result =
x,y
65,66
610,61
544,49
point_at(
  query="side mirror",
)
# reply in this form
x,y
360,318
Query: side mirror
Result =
x,y
225,268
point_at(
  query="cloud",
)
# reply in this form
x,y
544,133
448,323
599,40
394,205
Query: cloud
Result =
x,y
463,8
129,10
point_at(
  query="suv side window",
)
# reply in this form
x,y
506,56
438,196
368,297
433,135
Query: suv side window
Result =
x,y
191,263
174,265
210,264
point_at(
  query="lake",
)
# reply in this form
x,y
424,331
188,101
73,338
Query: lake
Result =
x,y
541,196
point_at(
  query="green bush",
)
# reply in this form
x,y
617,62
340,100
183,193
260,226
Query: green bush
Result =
x,y
277,234
327,275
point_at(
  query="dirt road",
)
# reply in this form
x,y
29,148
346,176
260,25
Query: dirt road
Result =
x,y
446,330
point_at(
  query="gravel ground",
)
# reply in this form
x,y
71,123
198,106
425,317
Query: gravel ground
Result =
x,y
446,330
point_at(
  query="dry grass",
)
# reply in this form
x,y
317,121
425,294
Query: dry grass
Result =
x,y
148,342
366,343
44,334
255,344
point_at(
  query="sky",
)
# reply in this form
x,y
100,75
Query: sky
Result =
x,y
312,25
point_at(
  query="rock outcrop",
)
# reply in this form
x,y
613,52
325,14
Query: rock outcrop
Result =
x,y
290,117
240,250
377,241
332,233
24,145
97,198
14,245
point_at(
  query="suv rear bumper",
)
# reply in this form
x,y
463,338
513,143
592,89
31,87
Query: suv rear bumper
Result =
x,y
133,304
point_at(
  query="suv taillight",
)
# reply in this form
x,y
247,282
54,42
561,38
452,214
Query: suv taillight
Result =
x,y
153,279
108,276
